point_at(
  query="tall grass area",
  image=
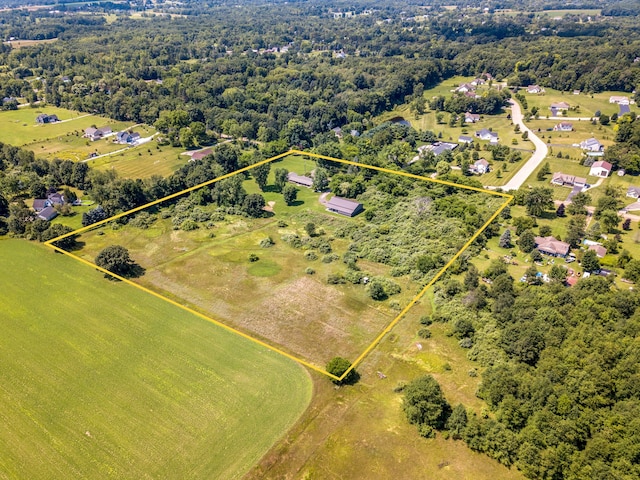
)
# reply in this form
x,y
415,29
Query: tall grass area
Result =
x,y
100,380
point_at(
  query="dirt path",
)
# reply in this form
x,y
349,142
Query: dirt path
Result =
x,y
323,198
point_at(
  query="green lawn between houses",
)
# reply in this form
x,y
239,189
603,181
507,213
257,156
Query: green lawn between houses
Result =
x,y
100,380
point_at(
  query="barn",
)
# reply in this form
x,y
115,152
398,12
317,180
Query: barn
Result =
x,y
344,206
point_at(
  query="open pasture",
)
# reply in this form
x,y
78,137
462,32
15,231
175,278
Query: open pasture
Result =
x,y
102,380
282,296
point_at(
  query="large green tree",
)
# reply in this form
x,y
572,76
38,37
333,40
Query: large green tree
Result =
x,y
116,259
424,404
337,366
537,200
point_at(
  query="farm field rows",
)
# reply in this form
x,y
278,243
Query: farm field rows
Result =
x,y
102,380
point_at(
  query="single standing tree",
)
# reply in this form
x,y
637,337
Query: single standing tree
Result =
x,y
261,174
457,421
254,205
560,211
310,228
558,274
281,178
527,241
626,225
505,239
290,193
632,271
337,366
590,262
537,200
578,203
376,290
116,259
609,220
320,180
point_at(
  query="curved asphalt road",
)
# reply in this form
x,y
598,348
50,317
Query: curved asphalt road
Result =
x,y
536,159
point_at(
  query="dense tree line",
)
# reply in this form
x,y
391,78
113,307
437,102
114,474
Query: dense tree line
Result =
x,y
217,72
562,373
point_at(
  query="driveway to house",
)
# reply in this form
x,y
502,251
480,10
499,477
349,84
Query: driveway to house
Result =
x,y
536,159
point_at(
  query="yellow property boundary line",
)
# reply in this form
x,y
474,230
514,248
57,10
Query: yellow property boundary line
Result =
x,y
307,364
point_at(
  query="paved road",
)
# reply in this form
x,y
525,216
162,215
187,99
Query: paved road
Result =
x,y
536,159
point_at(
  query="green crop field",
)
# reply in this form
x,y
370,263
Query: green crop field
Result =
x,y
100,380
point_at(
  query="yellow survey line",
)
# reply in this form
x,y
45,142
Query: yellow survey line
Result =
x,y
168,197
194,312
404,174
307,364
424,290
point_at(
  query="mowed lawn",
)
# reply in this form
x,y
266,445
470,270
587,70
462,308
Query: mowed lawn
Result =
x,y
19,127
101,380
588,104
143,161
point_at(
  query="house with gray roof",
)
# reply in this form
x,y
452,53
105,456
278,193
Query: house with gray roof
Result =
x,y
44,118
633,192
48,213
591,145
485,134
551,246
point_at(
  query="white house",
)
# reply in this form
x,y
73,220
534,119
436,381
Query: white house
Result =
x,y
485,134
480,167
632,192
560,106
600,169
563,127
535,89
465,87
471,117
620,100
591,145
94,134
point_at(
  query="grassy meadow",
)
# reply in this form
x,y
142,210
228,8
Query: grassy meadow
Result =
x,y
101,380
65,140
272,298
361,432
143,161
275,298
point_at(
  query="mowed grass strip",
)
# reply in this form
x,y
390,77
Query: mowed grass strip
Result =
x,y
100,380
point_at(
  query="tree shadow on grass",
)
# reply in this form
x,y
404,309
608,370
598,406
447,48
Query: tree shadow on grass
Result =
x,y
134,271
